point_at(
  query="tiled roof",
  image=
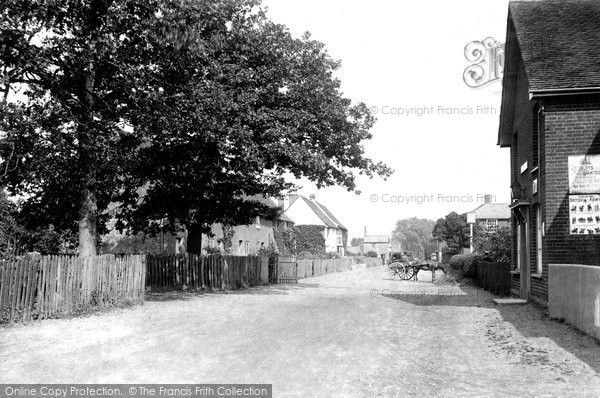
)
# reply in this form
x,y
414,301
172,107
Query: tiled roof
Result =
x,y
500,211
324,214
268,202
559,42
377,239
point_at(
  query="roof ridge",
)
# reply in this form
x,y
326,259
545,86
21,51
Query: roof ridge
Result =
x,y
321,207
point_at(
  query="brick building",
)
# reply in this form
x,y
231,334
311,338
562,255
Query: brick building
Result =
x,y
550,119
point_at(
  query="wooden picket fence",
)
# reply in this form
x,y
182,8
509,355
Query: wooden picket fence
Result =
x,y
50,286
494,277
214,272
370,261
310,267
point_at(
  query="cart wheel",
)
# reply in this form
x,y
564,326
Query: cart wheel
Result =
x,y
406,272
395,269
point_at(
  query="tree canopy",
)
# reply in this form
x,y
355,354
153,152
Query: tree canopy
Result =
x,y
415,234
146,110
454,230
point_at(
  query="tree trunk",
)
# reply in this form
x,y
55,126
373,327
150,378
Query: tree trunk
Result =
x,y
87,220
194,240
88,207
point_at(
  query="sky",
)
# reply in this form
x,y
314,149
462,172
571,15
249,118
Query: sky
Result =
x,y
405,60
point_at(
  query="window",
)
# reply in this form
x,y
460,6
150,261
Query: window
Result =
x,y
539,232
240,247
490,225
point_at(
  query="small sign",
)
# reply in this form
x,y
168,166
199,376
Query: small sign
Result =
x,y
470,218
534,186
524,167
584,174
584,214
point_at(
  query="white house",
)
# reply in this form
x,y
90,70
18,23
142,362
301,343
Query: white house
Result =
x,y
307,211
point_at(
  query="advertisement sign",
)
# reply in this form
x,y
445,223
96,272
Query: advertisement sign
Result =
x,y
584,174
584,214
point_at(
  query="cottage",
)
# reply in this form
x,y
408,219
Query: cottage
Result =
x,y
491,216
380,244
308,211
550,120
252,238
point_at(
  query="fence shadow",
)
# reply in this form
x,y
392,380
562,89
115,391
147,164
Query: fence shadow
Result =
x,y
164,295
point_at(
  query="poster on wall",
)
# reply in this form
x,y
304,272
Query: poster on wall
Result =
x,y
584,212
584,174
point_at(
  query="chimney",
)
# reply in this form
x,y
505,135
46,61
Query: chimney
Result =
x,y
284,202
365,231
488,198
312,196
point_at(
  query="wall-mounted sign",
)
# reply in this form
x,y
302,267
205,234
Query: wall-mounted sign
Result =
x,y
524,167
584,174
534,186
584,213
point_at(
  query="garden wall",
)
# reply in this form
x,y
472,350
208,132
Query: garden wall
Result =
x,y
574,295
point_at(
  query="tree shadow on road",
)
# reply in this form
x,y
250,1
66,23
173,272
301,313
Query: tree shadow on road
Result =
x,y
530,321
186,295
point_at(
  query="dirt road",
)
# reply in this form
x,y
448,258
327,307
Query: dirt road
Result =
x,y
355,334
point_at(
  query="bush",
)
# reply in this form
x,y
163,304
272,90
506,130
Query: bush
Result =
x,y
447,254
371,253
466,264
497,245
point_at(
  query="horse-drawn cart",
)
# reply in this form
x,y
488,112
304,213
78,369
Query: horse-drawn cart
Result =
x,y
405,266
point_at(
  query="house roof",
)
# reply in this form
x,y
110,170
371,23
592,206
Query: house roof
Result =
x,y
554,45
559,42
500,211
269,202
323,213
377,239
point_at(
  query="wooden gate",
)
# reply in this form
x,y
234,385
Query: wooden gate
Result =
x,y
287,271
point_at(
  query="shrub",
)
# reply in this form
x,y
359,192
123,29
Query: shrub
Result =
x,y
497,245
371,253
447,254
466,264
305,254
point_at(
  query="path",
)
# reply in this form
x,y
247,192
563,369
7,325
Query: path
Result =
x,y
355,334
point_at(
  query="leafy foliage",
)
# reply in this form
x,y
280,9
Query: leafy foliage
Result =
x,y
496,245
357,241
415,234
173,109
309,238
286,241
454,230
466,264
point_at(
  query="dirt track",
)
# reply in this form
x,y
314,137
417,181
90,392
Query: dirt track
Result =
x,y
356,333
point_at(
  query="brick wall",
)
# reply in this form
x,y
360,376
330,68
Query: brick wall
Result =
x,y
571,128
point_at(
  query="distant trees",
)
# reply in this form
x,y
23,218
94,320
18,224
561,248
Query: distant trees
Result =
x,y
415,234
357,241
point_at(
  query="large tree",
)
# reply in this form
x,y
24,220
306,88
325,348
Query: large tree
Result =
x,y
175,110
77,63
